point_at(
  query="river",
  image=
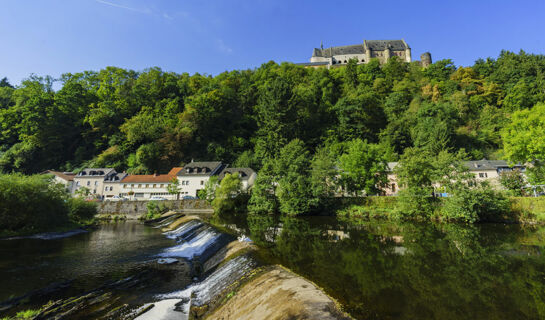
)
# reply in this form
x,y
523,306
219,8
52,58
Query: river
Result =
x,y
375,269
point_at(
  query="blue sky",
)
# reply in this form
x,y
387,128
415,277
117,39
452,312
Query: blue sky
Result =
x,y
51,37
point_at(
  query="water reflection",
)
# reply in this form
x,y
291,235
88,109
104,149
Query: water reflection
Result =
x,y
90,259
385,270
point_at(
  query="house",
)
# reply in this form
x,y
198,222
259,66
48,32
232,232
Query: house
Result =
x,y
491,170
92,179
64,178
143,187
483,170
112,185
194,175
247,176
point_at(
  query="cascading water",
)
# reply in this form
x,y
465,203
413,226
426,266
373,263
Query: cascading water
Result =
x,y
177,304
196,241
193,247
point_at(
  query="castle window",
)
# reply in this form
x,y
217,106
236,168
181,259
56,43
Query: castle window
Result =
x,y
344,61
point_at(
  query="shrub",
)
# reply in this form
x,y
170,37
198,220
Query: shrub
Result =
x,y
155,210
81,211
481,203
31,204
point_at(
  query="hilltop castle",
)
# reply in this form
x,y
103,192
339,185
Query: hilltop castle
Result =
x,y
379,49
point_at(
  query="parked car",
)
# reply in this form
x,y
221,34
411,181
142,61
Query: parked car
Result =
x,y
116,198
189,197
156,198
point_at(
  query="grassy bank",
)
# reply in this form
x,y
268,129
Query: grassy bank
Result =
x,y
529,209
522,209
33,204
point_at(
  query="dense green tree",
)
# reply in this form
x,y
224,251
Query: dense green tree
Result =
x,y
363,168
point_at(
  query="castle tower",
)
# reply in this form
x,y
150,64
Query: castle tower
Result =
x,y
425,59
408,57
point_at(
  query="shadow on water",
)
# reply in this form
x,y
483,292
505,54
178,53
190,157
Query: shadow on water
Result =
x,y
404,270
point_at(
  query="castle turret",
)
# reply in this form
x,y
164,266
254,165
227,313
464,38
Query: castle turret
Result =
x,y
408,57
425,59
367,51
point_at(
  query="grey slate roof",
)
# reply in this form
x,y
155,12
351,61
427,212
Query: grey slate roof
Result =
x,y
245,173
484,164
383,44
115,177
95,172
204,168
335,51
375,45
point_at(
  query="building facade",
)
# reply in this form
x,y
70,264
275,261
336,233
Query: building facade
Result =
x,y
64,178
93,179
194,176
382,50
483,170
144,187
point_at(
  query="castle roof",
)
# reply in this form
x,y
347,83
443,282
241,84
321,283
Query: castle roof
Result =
x,y
335,51
375,45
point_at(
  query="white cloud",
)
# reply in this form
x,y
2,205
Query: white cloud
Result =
x,y
223,47
111,4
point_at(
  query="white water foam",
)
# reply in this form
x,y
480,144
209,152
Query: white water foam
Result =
x,y
183,229
194,247
203,292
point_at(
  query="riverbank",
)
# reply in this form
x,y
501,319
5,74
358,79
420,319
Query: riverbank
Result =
x,y
523,210
33,204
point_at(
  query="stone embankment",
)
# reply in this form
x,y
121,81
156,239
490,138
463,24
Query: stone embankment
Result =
x,y
133,210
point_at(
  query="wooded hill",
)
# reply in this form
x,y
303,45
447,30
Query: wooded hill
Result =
x,y
150,121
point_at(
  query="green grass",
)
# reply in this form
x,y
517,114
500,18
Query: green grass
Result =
x,y
529,209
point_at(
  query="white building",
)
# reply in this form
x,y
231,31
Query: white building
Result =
x,y
93,179
64,178
113,185
194,176
143,187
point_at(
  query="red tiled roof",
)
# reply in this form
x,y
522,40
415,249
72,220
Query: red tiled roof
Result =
x,y
174,171
148,178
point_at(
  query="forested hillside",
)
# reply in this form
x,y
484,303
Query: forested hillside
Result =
x,y
149,121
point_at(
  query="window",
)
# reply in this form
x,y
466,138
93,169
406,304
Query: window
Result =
x,y
132,185
147,185
77,184
96,183
139,186
88,183
202,182
483,175
161,186
154,185
124,186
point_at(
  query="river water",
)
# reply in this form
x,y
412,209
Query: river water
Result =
x,y
376,269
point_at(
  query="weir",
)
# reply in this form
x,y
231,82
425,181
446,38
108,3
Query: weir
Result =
x,y
197,242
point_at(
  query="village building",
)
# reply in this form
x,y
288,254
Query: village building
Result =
x,y
144,187
382,50
194,176
93,179
64,178
490,170
247,176
483,170
112,185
